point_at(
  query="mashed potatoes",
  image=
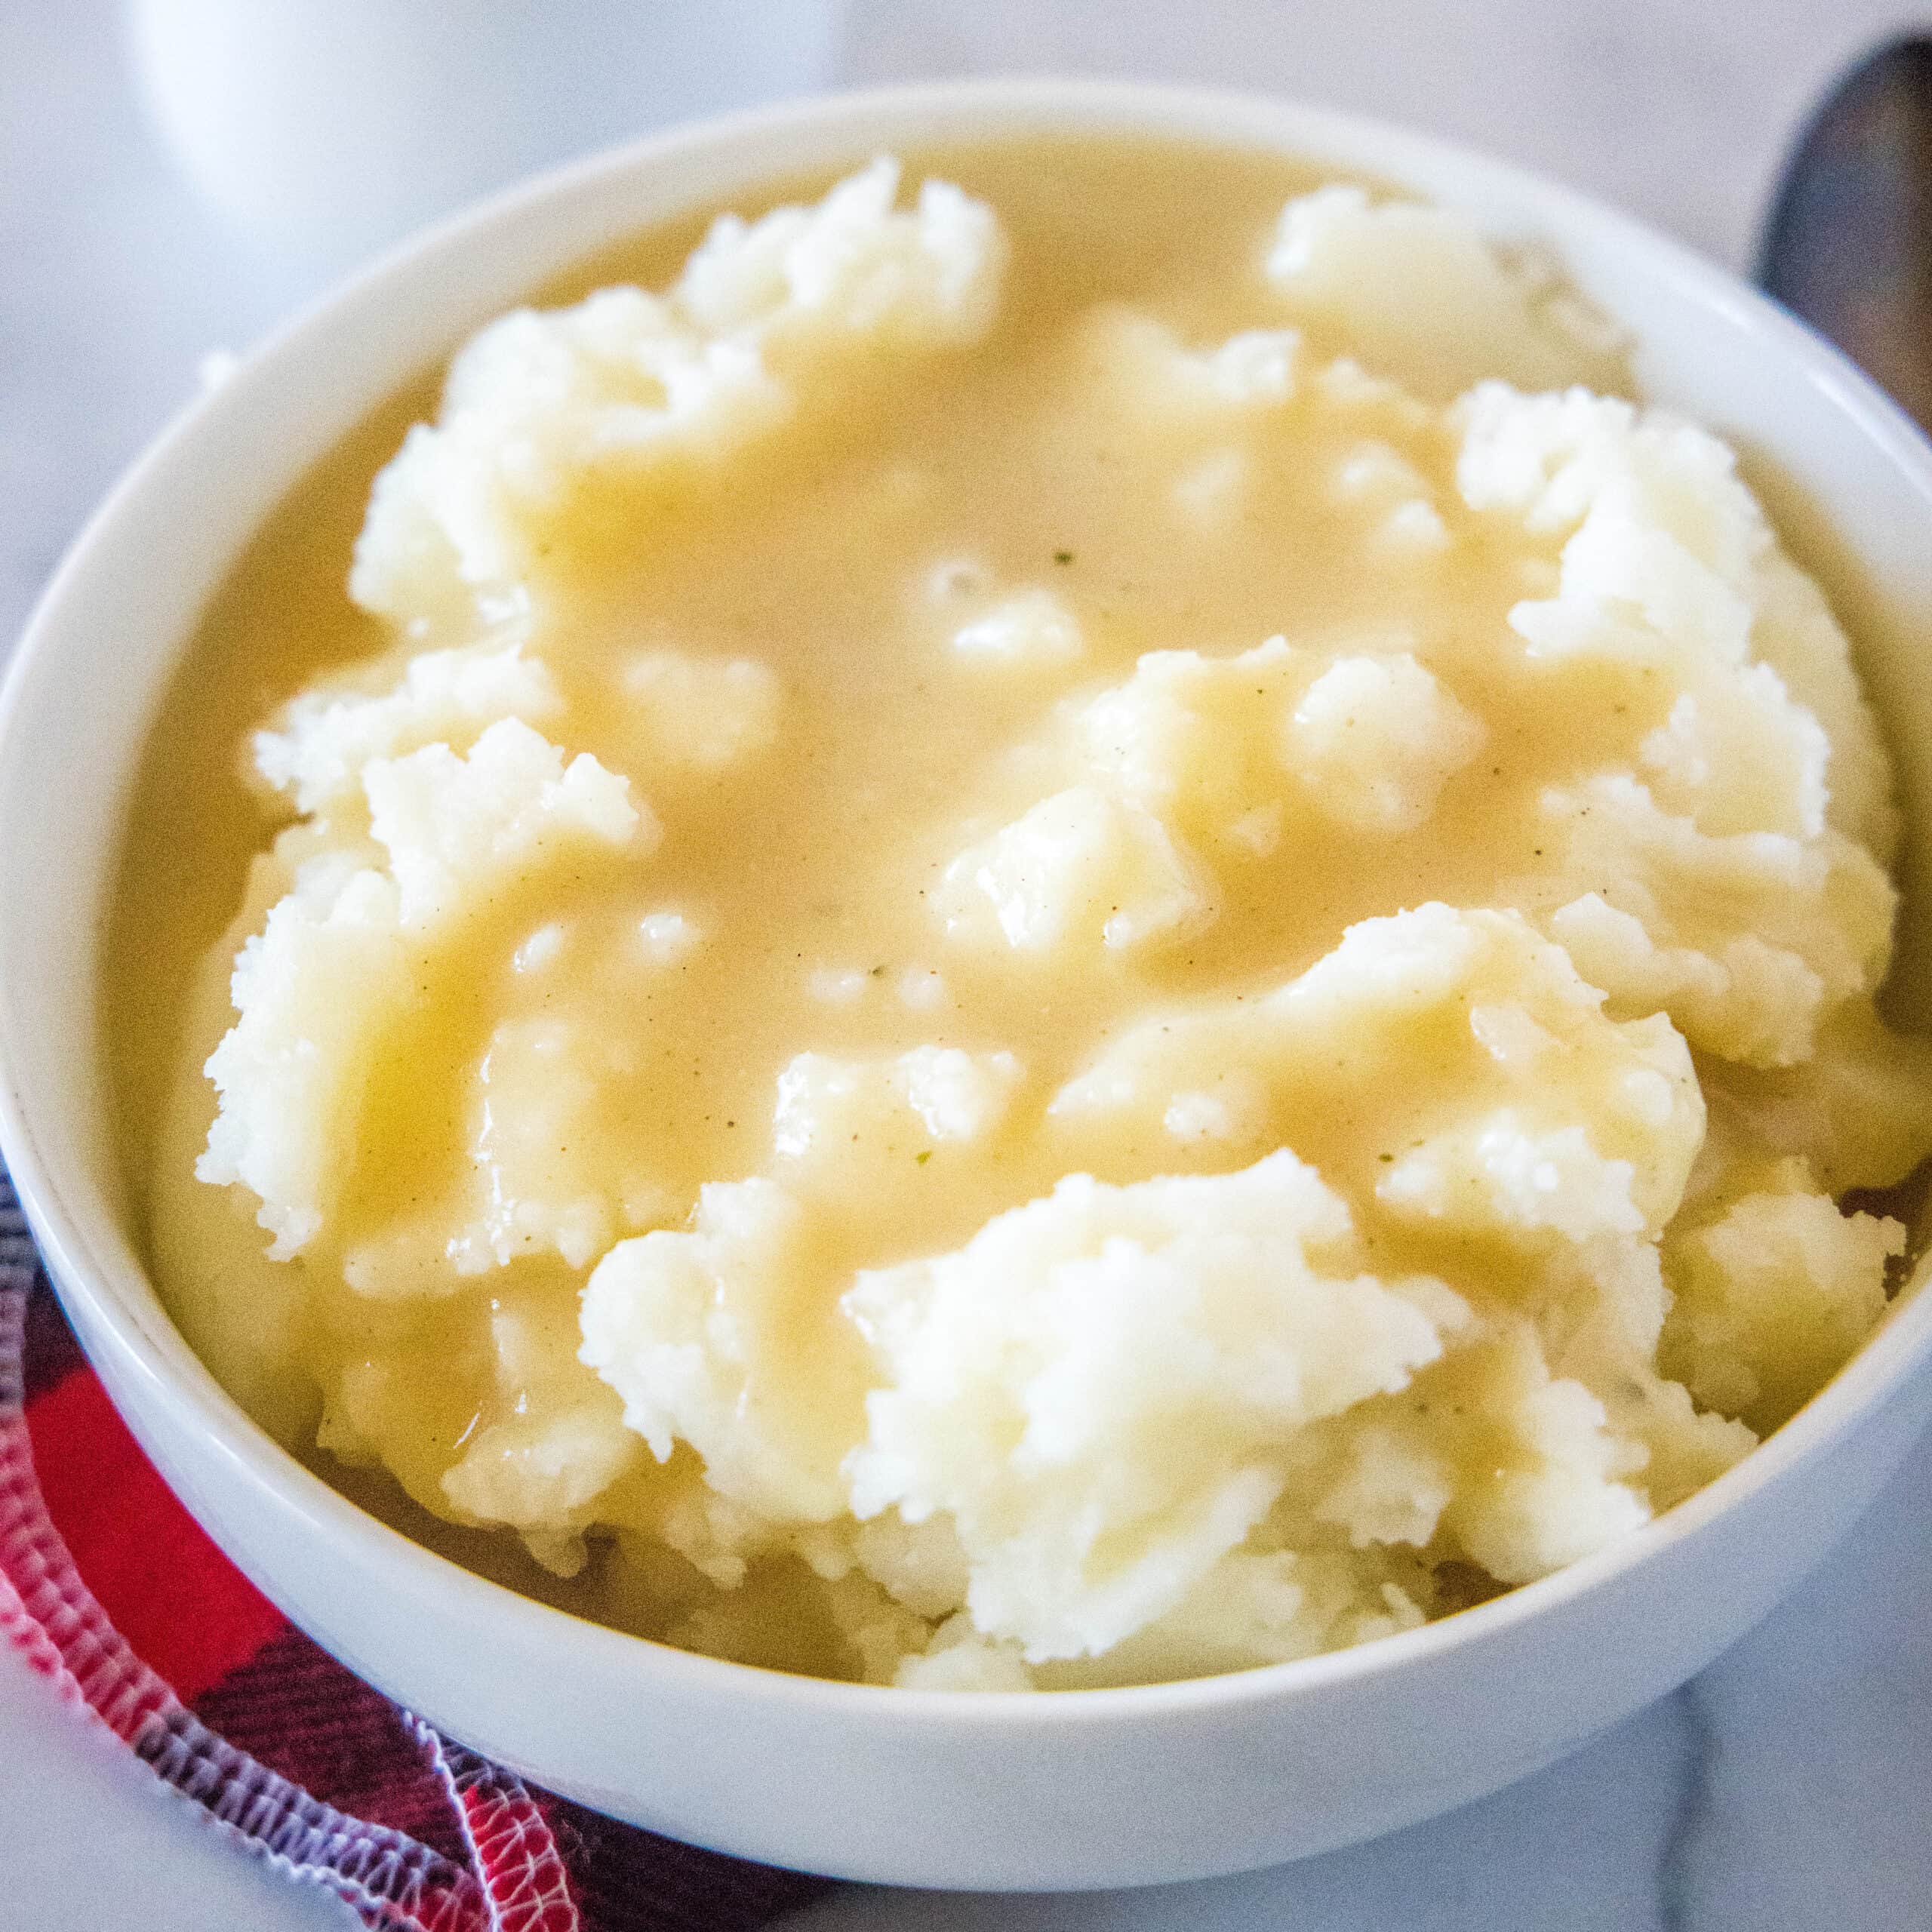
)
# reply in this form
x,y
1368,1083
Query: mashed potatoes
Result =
x,y
1060,942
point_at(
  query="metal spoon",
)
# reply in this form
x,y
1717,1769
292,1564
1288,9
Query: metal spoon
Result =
x,y
1847,244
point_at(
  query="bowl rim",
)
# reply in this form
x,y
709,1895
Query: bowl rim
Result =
x,y
854,122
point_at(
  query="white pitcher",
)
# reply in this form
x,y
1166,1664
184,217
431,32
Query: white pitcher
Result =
x,y
324,128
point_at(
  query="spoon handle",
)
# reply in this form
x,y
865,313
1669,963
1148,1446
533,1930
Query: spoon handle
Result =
x,y
1848,243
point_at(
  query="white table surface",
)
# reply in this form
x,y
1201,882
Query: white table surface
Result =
x,y
1790,1788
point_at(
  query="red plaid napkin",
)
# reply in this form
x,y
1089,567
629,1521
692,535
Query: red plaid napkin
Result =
x,y
290,1756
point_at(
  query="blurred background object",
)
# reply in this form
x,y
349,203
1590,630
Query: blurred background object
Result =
x,y
323,129
1848,239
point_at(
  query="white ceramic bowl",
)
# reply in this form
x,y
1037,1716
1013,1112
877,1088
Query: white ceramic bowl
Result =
x,y
1091,1787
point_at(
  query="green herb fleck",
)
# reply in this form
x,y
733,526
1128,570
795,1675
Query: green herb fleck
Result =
x,y
1063,556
